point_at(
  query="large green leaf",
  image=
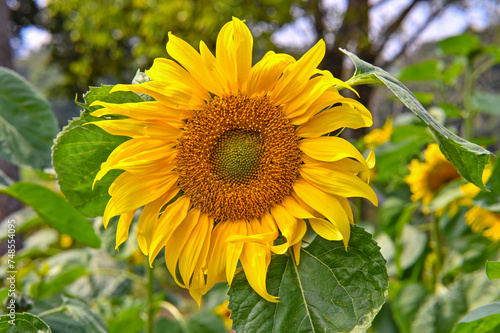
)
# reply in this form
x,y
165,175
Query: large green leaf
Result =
x,y
79,151
331,290
480,320
55,210
58,283
427,70
24,323
462,45
468,158
27,123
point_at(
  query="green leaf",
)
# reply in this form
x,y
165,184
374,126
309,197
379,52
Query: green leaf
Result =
x,y
480,320
468,158
462,45
205,322
55,210
425,98
4,292
441,311
58,283
453,71
408,300
79,151
331,290
493,270
24,323
413,243
27,123
82,314
427,70
487,102
490,200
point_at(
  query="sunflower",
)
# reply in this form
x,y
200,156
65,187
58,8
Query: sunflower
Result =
x,y
482,220
229,157
427,178
379,135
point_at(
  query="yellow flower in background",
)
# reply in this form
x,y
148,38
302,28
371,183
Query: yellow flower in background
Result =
x,y
66,241
224,313
240,152
427,178
379,136
470,190
485,222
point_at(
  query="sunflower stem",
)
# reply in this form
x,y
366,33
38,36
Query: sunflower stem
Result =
x,y
149,297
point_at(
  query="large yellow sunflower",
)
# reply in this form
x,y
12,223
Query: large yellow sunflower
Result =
x,y
427,178
484,221
240,149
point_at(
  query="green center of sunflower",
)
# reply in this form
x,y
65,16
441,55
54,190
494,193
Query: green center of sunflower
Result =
x,y
236,156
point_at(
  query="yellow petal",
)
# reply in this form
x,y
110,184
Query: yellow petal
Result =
x,y
215,70
296,209
190,59
144,111
292,228
216,261
243,46
136,129
327,204
233,250
329,149
295,78
171,73
138,156
177,96
130,191
172,216
325,229
123,227
263,232
333,119
296,253
338,182
265,74
149,218
255,260
188,246
224,53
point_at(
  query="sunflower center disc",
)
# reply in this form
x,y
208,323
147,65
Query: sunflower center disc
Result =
x,y
238,157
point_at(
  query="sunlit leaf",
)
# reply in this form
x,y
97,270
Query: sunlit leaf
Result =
x,y
460,45
493,269
331,290
27,123
79,151
468,158
427,70
55,211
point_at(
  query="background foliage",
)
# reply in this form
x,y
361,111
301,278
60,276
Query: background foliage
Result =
x,y
443,277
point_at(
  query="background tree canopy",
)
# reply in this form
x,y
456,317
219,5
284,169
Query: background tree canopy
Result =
x,y
95,41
